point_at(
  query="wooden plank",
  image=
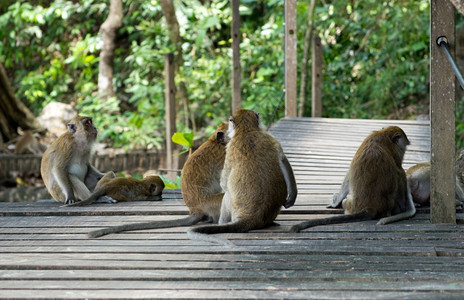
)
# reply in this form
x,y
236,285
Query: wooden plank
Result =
x,y
442,115
291,59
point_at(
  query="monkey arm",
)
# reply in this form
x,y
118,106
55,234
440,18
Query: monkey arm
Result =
x,y
61,177
338,197
290,181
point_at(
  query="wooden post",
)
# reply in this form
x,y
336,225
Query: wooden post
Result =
x,y
290,58
442,115
169,94
236,69
316,89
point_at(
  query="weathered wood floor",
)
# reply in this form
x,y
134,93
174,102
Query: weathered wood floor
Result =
x,y
45,252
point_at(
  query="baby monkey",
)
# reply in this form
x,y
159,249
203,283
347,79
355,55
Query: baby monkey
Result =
x,y
122,189
377,182
419,182
200,187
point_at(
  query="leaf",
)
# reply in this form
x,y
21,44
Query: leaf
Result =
x,y
183,139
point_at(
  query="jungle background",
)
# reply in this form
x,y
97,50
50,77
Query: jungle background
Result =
x,y
376,61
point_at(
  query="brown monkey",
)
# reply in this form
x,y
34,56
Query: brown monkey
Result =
x,y
419,182
200,187
66,169
122,189
377,182
27,143
257,180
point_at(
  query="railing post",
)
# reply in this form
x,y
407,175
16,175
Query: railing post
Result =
x,y
290,58
236,68
169,94
316,80
442,115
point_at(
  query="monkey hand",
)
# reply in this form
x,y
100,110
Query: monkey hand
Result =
x,y
290,200
70,200
336,202
106,199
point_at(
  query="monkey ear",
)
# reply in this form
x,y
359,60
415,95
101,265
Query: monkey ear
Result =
x,y
397,137
220,136
152,188
257,118
72,127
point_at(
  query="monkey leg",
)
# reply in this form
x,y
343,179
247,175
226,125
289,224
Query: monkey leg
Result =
x,y
80,189
226,212
408,213
338,197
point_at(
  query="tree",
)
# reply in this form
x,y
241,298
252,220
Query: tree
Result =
x,y
108,32
13,113
169,13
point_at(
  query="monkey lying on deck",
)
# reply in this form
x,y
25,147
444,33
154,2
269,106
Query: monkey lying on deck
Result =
x,y
377,182
126,189
65,167
200,187
419,182
257,180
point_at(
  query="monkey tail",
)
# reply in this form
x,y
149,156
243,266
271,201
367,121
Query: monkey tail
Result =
x,y
202,233
361,216
190,220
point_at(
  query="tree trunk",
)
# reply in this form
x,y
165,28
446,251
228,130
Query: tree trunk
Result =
x,y
169,13
304,64
108,31
13,113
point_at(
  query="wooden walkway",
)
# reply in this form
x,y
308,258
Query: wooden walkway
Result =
x,y
45,252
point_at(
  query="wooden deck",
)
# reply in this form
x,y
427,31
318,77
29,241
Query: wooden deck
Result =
x,y
45,252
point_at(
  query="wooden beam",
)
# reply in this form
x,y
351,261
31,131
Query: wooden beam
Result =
x,y
236,68
290,58
442,115
169,94
316,80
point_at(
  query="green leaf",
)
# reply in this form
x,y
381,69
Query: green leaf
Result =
x,y
183,139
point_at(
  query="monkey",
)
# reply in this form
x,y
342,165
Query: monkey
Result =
x,y
28,143
200,187
377,182
257,180
65,166
419,182
121,189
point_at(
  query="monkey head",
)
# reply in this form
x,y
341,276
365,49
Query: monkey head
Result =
x,y
220,136
88,134
398,138
243,121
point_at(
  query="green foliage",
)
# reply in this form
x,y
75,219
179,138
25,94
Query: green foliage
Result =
x,y
169,184
183,139
372,68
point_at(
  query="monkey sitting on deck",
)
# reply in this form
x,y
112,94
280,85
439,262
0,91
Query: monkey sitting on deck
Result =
x,y
377,182
65,167
121,189
419,182
200,187
257,180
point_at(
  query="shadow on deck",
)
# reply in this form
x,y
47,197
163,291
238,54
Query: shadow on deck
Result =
x,y
45,252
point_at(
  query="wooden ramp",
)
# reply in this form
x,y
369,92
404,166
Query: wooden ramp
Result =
x,y
44,251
